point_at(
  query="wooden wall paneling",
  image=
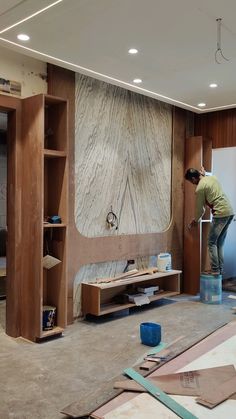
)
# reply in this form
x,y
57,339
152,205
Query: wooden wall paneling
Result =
x,y
205,260
82,250
12,106
32,196
220,126
198,152
207,164
193,158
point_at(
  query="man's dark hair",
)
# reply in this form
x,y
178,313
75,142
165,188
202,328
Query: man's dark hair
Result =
x,y
192,173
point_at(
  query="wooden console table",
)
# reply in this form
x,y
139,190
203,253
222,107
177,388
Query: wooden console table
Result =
x,y
98,299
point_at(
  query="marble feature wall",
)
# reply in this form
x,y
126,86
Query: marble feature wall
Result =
x,y
123,143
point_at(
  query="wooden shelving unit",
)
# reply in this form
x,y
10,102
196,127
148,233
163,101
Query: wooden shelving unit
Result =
x,y
98,299
45,192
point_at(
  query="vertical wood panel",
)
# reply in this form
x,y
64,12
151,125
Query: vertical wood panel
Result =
x,y
14,191
197,153
219,126
192,252
32,196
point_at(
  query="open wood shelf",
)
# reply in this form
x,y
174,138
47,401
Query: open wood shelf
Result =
x,y
136,279
110,308
50,225
54,153
45,176
47,333
98,299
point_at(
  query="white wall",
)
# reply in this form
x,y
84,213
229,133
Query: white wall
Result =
x,y
31,73
224,168
26,70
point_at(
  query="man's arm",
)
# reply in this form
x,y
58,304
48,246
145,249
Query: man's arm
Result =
x,y
199,208
200,204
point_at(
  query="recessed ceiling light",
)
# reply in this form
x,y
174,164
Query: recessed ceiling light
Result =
x,y
133,51
23,37
137,81
201,105
213,85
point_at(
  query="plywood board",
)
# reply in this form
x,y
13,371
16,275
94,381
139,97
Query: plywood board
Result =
x,y
189,383
143,406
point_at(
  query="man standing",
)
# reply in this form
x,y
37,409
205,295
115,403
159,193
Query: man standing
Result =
x,y
209,192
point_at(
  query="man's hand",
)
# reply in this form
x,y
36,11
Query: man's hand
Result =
x,y
193,223
202,171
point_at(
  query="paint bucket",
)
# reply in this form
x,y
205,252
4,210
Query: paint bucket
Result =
x,y
211,289
164,262
49,316
150,333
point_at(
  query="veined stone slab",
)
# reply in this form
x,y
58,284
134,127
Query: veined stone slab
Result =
x,y
122,159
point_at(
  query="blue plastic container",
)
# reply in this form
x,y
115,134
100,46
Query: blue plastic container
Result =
x,y
211,289
150,333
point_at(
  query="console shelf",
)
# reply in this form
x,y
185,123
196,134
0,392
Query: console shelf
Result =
x,y
98,299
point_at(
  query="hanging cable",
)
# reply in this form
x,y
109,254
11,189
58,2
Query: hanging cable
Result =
x,y
219,54
112,220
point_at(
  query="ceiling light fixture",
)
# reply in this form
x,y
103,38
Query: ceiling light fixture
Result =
x,y
133,51
201,105
23,37
137,81
213,85
219,54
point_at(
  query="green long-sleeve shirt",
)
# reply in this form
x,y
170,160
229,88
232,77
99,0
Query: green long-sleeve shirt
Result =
x,y
209,192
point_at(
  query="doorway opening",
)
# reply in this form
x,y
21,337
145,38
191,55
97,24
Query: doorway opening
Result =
x,y
3,216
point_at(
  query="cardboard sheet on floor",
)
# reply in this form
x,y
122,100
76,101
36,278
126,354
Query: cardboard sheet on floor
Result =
x,y
216,394
189,383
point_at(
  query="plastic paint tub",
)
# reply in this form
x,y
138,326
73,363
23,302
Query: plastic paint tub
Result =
x,y
150,334
49,314
211,289
164,262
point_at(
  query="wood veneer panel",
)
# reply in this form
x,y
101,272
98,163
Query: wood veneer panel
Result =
x,y
219,126
205,259
197,153
193,158
12,106
32,196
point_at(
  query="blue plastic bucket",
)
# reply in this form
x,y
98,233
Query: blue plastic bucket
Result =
x,y
211,289
150,334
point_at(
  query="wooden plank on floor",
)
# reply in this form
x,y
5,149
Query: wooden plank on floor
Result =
x,y
200,348
143,406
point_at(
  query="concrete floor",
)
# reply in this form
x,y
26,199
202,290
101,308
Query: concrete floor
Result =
x,y
39,380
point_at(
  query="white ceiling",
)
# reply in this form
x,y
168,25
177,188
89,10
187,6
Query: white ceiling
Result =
x,y
176,39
